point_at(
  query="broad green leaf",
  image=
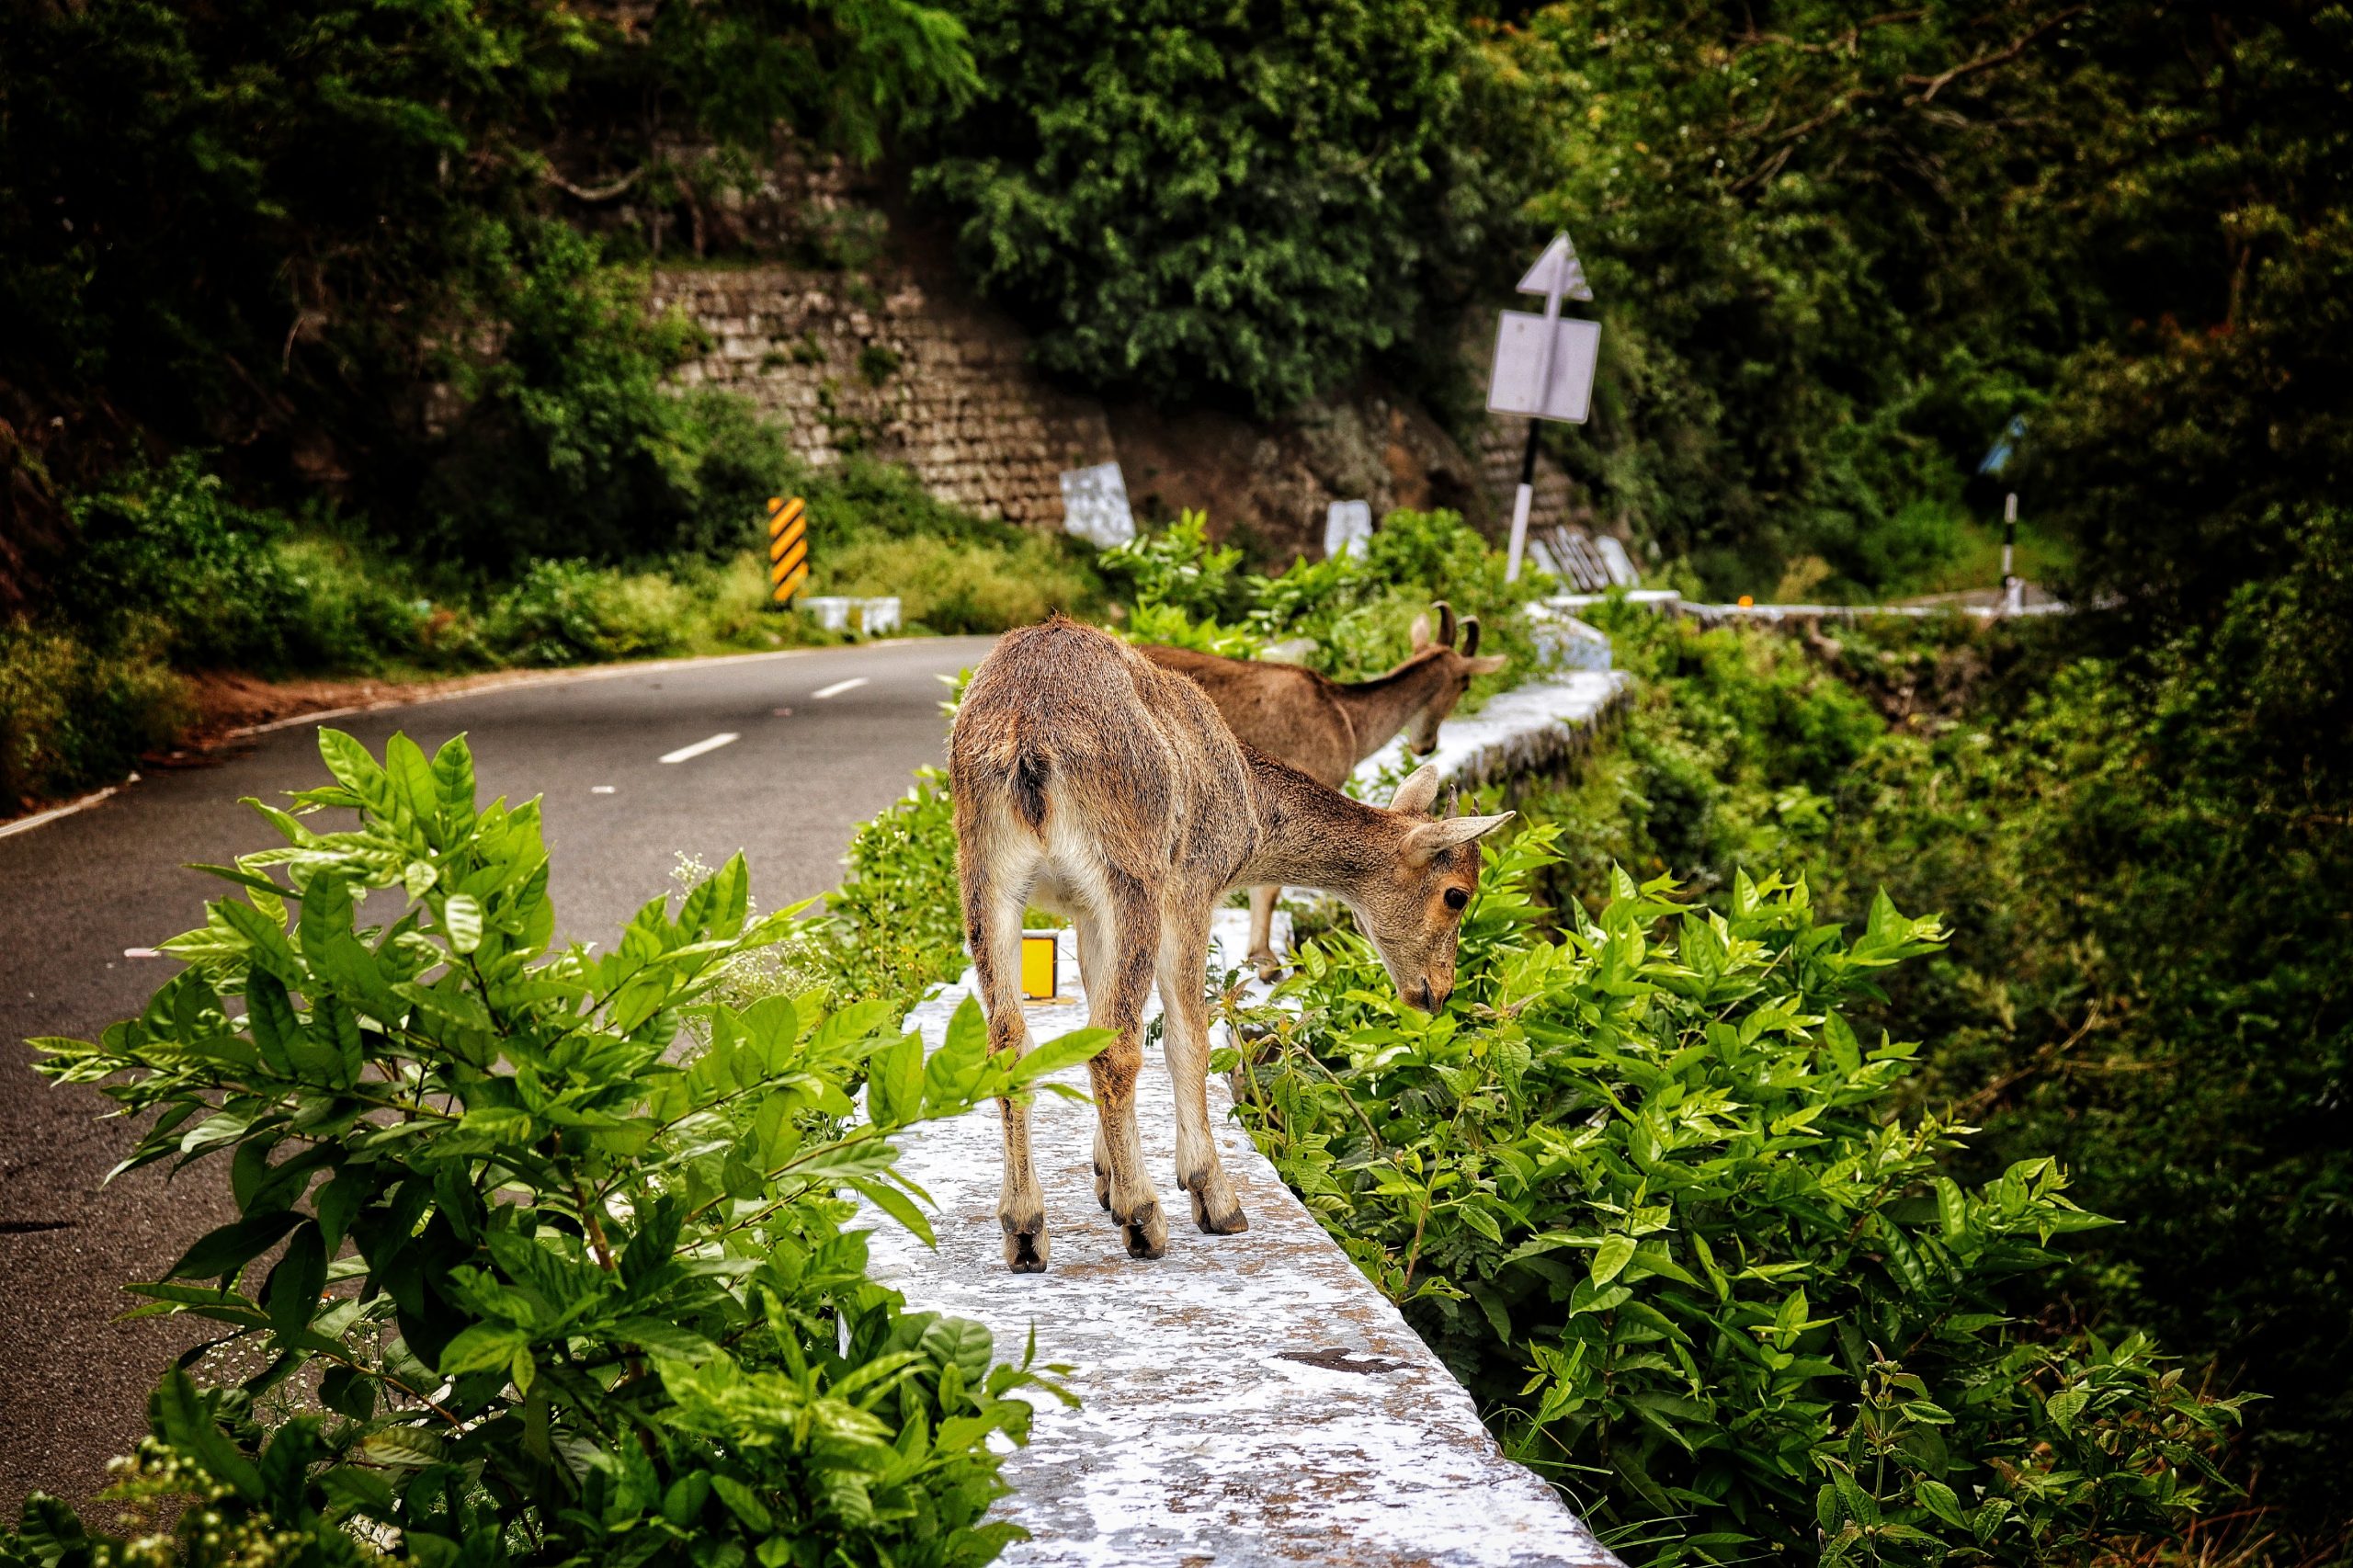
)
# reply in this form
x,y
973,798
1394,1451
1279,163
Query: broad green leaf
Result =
x,y
481,1348
895,1203
223,1252
742,1502
1063,1050
461,918
1610,1258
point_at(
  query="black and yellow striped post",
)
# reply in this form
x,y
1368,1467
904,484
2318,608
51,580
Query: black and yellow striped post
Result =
x,y
788,546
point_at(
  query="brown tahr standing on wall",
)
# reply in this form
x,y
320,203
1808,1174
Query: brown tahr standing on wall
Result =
x,y
1090,781
1324,728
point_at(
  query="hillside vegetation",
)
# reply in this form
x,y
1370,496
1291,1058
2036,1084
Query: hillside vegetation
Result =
x,y
323,345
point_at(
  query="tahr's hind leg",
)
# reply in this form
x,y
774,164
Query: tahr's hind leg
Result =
x,y
1126,983
993,925
1184,964
1262,932
1098,956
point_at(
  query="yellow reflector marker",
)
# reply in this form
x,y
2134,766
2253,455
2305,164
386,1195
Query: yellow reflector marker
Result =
x,y
1040,956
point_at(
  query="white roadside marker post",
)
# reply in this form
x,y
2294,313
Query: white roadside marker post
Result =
x,y
1543,369
2013,590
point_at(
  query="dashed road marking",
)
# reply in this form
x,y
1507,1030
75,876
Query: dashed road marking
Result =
x,y
839,686
688,753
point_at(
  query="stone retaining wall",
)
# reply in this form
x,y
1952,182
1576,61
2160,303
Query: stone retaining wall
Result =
x,y
943,388
911,371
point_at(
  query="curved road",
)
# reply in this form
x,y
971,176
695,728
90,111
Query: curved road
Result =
x,y
822,740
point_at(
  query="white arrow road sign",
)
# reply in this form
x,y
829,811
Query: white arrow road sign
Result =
x,y
1558,268
1522,366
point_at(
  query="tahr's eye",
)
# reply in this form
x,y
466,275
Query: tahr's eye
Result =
x,y
1456,898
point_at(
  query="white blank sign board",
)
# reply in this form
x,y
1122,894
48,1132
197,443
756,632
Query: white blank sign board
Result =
x,y
1520,343
1095,505
1347,528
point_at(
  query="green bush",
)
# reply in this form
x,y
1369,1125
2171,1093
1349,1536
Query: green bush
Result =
x,y
951,585
569,612
898,922
1235,205
71,716
2140,859
566,1297
231,587
1357,611
339,230
1643,1185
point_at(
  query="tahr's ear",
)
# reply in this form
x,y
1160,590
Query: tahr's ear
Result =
x,y
1470,636
1421,632
1415,795
1424,844
1445,623
1489,664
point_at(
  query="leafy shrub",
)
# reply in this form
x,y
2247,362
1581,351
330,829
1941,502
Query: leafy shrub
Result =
x,y
950,585
230,586
566,612
1177,567
1241,205
1357,611
568,442
899,926
1652,1165
2141,874
566,1298
291,221
69,716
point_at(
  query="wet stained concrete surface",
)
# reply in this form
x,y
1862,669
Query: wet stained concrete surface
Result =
x,y
1247,1398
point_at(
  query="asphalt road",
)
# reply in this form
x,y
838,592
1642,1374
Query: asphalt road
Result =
x,y
823,739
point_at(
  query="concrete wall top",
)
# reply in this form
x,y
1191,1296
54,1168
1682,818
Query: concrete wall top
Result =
x,y
1249,1400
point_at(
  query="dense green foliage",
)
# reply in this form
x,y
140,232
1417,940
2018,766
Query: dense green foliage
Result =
x,y
1838,248
1350,617
175,576
1242,204
1651,1160
278,229
567,1297
2149,975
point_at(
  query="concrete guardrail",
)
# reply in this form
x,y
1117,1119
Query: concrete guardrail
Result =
x,y
1251,1399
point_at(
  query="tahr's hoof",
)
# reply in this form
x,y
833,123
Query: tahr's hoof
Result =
x,y
1024,1245
1145,1234
1103,1186
1269,967
1228,1221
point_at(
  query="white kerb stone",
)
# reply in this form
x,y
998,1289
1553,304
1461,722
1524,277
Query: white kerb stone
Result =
x,y
1249,1400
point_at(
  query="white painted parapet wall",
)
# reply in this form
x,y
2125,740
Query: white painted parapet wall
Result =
x,y
1248,1400
1530,729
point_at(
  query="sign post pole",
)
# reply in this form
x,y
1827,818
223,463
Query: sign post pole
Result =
x,y
2013,591
1524,497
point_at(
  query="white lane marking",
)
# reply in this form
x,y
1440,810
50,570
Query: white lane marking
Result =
x,y
600,788
688,753
840,686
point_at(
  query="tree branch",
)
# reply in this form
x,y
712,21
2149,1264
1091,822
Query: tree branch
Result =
x,y
1934,85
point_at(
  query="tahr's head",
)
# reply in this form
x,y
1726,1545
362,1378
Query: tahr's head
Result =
x,y
1457,667
1412,908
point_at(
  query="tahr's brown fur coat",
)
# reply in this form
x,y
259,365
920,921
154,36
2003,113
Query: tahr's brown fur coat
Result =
x,y
1092,782
1324,728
